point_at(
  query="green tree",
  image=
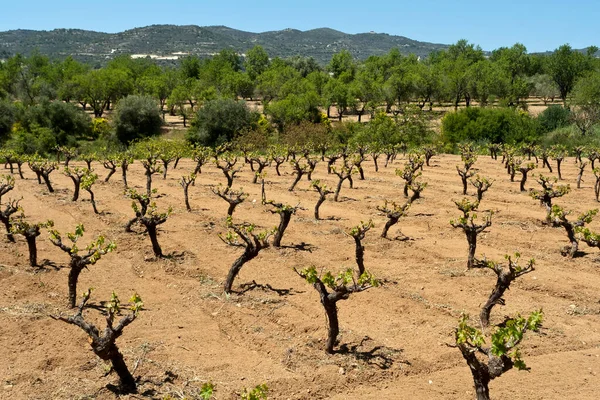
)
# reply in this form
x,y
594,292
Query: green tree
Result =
x,y
495,125
293,110
177,103
304,65
368,90
554,117
68,71
565,66
137,117
543,86
7,119
66,121
99,88
338,93
342,64
257,61
586,102
160,85
219,121
190,67
456,63
272,80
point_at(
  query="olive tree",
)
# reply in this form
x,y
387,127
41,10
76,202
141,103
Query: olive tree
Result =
x,y
137,117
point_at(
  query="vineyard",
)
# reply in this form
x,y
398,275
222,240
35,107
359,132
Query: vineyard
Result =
x,y
221,256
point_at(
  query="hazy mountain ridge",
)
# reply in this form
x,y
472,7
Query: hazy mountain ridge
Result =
x,y
164,40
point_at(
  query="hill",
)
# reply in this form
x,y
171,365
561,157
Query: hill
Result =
x,y
171,41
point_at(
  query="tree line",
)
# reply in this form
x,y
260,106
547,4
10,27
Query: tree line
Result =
x,y
38,95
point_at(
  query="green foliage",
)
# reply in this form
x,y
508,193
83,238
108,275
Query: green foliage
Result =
x,y
7,182
382,130
554,117
505,338
495,125
257,393
88,179
207,390
48,124
219,121
21,226
294,109
96,249
343,279
100,128
362,228
136,303
466,334
559,214
257,61
137,117
565,66
511,334
244,231
7,119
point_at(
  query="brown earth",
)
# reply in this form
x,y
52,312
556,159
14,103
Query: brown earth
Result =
x,y
394,336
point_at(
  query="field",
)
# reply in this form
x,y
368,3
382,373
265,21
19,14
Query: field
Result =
x,y
393,338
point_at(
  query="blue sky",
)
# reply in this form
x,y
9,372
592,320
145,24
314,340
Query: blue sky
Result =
x,y
539,25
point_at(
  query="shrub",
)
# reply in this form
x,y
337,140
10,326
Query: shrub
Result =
x,y
495,125
219,121
7,119
66,121
554,117
137,117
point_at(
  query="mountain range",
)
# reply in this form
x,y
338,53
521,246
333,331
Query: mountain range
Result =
x,y
168,42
